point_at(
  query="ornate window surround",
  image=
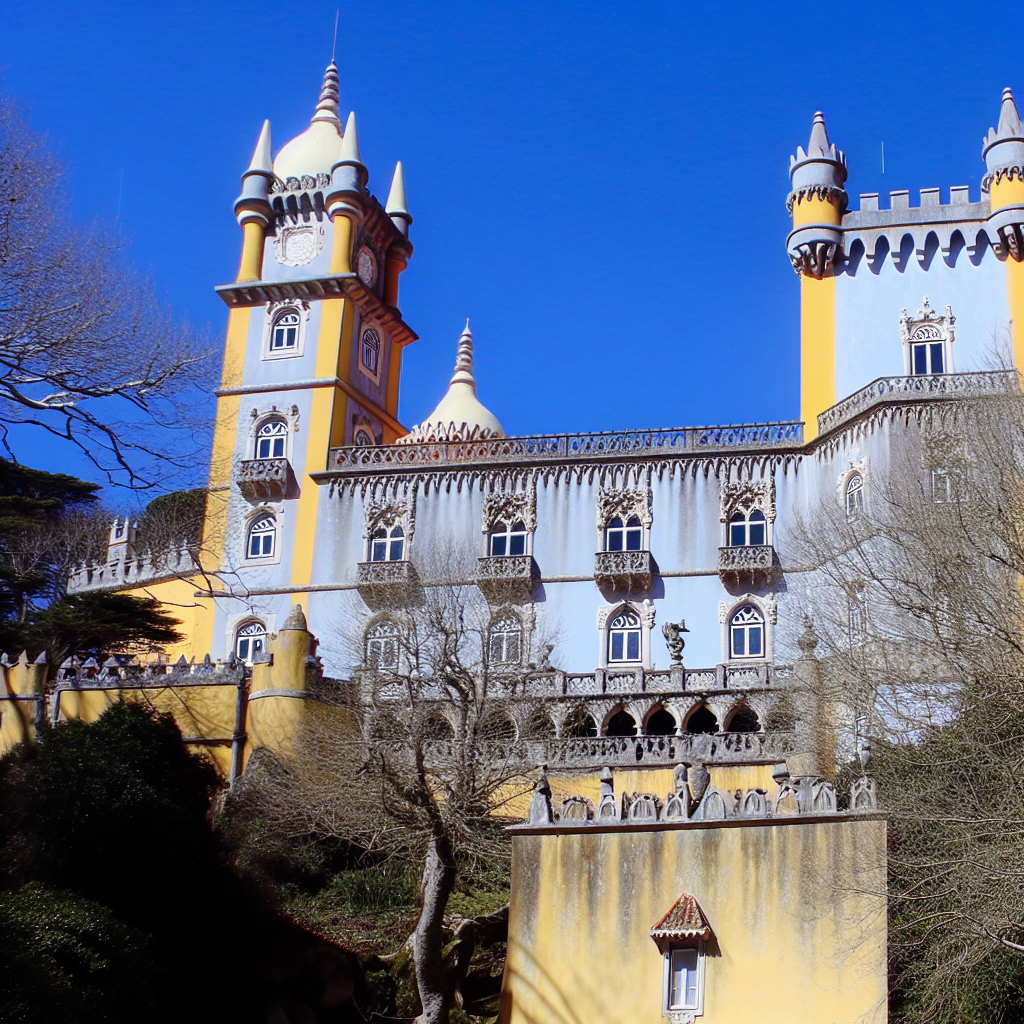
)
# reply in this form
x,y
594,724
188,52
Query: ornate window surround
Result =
x,y
767,607
273,311
623,503
508,507
385,513
526,624
236,622
377,620
930,327
747,496
257,417
645,610
274,512
361,329
854,467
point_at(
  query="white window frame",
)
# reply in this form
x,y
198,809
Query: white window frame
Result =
x,y
607,614
382,639
277,310
284,434
507,530
768,608
733,656
272,531
682,1013
515,625
848,490
947,485
627,629
628,524
744,522
237,636
389,539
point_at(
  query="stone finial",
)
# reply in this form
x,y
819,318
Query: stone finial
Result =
x,y
348,173
296,619
254,202
808,639
262,162
397,207
327,108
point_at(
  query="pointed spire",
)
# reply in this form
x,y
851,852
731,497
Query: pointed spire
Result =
x,y
350,144
464,360
261,162
1009,116
397,207
327,108
819,144
1003,147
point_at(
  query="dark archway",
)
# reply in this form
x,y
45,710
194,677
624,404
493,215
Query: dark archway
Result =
x,y
743,720
580,726
622,723
498,726
437,727
660,723
539,725
702,721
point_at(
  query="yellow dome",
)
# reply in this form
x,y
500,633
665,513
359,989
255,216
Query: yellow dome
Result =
x,y
318,148
459,416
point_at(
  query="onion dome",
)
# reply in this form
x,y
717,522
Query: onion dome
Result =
x,y
318,148
459,416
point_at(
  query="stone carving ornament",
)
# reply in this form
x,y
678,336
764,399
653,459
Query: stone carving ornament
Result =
x,y
507,507
673,634
387,512
746,496
297,246
645,609
624,503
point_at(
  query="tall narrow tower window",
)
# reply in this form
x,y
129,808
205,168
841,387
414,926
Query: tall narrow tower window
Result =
x,y
284,337
371,350
271,440
854,496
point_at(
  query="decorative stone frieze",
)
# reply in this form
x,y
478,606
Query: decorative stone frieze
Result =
x,y
506,577
508,507
747,496
386,512
386,583
263,479
624,570
624,503
754,564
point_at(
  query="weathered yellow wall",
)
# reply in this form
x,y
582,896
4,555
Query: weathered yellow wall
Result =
x,y
178,598
795,939
1008,192
201,711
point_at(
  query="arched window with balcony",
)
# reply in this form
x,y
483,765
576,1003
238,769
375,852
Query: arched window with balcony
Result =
x,y
387,545
272,439
250,640
382,645
505,642
284,332
748,528
746,633
624,534
261,539
507,538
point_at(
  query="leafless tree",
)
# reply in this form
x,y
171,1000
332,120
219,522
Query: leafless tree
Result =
x,y
918,606
87,353
429,762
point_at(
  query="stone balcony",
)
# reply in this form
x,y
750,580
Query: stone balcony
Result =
x,y
624,570
264,479
382,583
751,564
506,577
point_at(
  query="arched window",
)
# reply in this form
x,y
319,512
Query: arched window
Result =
x,y
506,641
702,721
271,439
387,545
284,335
261,538
622,723
854,495
507,539
746,633
927,351
619,536
371,350
250,640
362,437
382,645
660,723
624,637
747,529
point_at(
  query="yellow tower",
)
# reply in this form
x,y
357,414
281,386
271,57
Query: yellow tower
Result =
x,y
1003,151
817,201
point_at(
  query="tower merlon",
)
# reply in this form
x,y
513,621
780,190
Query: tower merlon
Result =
x,y
397,207
254,201
349,174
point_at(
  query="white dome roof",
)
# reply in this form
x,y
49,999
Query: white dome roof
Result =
x,y
459,416
318,148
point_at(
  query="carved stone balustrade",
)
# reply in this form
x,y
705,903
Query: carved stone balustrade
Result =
x,y
380,583
624,570
749,563
506,577
263,479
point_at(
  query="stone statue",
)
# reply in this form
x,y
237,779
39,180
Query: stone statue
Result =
x,y
673,634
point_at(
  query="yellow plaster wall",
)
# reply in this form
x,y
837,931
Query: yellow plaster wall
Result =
x,y
796,939
1007,192
178,598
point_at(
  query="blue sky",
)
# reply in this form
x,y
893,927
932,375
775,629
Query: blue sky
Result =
x,y
599,187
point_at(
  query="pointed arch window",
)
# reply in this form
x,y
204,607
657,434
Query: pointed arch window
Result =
x,y
506,641
382,643
507,539
624,535
746,633
262,538
250,640
748,529
624,632
284,335
272,439
387,545
854,495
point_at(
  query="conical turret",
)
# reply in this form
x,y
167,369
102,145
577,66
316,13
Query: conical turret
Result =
x,y
254,202
821,166
317,149
348,173
1003,147
459,416
397,207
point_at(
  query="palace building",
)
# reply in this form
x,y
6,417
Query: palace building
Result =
x,y
626,546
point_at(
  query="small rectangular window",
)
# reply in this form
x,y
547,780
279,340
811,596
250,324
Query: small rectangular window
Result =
x,y
614,540
936,357
920,359
757,533
498,542
518,544
684,980
616,647
633,538
633,646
